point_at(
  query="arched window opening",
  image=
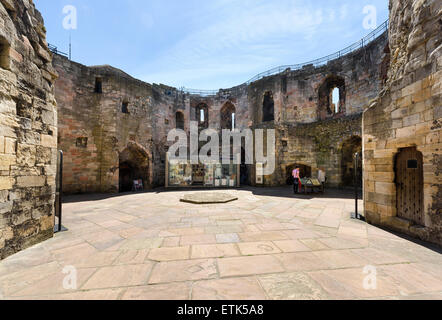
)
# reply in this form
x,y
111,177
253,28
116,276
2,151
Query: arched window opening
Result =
x,y
268,107
179,120
202,116
228,119
332,94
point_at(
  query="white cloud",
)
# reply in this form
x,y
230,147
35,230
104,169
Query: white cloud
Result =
x,y
243,36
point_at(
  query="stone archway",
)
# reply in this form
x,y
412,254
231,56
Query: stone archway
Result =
x,y
349,148
133,165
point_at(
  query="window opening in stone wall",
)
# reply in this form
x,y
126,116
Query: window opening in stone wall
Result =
x,y
332,94
228,116
179,120
336,100
233,121
268,107
98,85
125,107
202,116
81,142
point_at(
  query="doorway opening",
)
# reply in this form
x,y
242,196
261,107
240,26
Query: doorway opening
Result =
x,y
133,168
349,148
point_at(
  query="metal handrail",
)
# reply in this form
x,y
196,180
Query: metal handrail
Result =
x,y
55,50
314,63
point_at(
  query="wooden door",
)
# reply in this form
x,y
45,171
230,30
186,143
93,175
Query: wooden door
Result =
x,y
410,185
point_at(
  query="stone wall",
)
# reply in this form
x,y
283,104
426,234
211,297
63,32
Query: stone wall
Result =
x,y
95,132
306,134
407,113
28,132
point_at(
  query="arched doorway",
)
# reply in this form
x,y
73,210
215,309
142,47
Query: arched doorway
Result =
x,y
410,185
304,172
349,148
134,165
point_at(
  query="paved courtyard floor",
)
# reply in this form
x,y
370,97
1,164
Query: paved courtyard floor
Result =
x,y
267,245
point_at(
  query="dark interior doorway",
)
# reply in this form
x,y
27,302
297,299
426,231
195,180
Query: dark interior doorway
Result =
x,y
349,148
134,166
126,177
245,169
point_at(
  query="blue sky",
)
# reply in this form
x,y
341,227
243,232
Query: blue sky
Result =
x,y
208,44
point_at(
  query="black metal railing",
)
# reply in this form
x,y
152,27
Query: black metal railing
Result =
x,y
286,68
315,63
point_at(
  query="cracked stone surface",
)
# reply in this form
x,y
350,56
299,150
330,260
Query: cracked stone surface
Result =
x,y
268,244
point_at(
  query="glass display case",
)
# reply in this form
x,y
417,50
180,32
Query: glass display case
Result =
x,y
180,174
214,174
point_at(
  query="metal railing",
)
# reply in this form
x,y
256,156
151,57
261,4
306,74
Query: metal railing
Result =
x,y
55,50
315,63
287,68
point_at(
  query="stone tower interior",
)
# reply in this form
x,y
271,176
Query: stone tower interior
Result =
x,y
376,100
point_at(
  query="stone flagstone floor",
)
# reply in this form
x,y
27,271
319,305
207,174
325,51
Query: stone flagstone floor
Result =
x,y
267,245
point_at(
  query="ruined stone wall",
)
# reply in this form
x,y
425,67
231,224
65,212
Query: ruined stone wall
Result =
x,y
305,136
28,133
94,132
407,113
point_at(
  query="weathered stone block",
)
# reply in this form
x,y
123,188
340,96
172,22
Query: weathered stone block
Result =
x,y
31,181
6,183
406,132
10,145
386,188
48,141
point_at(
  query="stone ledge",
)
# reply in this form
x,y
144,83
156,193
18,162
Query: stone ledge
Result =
x,y
208,198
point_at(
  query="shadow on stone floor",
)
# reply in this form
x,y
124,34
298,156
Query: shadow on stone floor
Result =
x,y
287,192
283,192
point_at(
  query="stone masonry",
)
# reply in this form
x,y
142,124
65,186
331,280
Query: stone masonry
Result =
x,y
94,130
408,113
28,129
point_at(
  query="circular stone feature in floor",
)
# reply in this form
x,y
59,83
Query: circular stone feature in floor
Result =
x,y
208,198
